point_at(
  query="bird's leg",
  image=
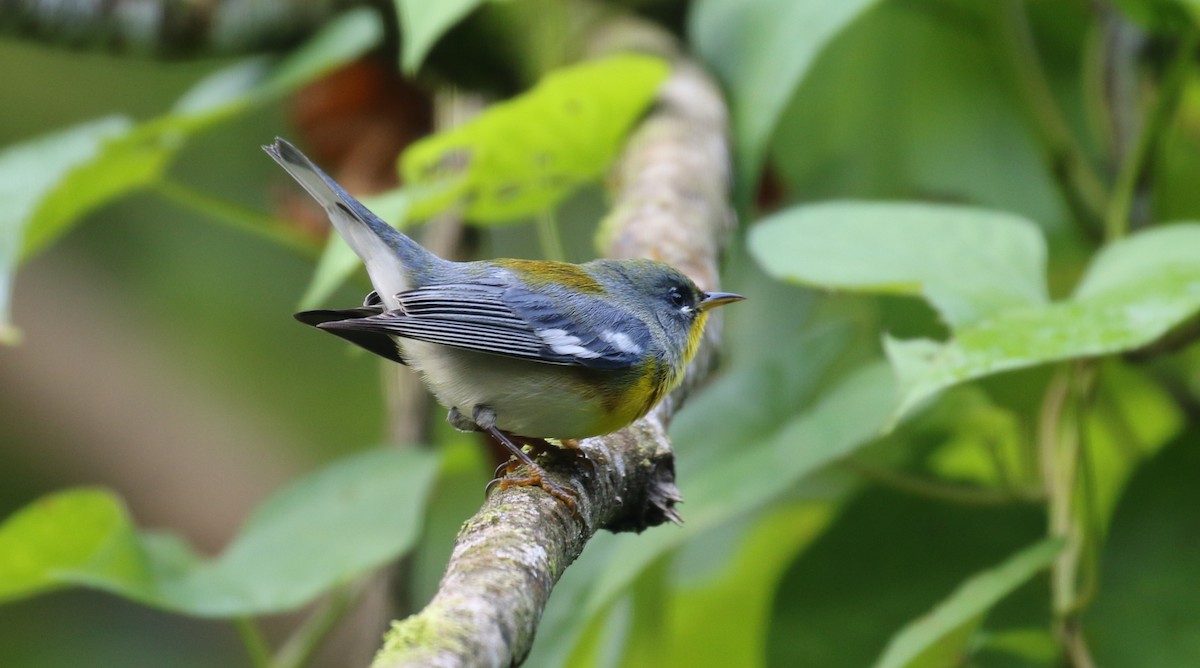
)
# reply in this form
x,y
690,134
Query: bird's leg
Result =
x,y
569,448
485,420
460,421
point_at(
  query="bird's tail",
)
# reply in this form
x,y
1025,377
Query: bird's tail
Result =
x,y
394,261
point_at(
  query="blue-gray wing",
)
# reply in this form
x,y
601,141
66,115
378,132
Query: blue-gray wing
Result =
x,y
502,319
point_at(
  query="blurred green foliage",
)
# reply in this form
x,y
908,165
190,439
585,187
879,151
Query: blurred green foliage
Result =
x,y
955,424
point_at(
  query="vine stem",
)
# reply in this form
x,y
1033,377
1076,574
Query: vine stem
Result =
x,y
937,490
548,237
1135,168
1061,442
1080,184
300,646
238,217
252,638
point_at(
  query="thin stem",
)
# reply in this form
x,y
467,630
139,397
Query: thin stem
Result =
x,y
239,217
1134,171
548,238
938,490
1062,434
992,448
252,638
1081,186
1057,476
300,646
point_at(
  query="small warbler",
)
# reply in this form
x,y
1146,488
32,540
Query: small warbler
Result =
x,y
521,349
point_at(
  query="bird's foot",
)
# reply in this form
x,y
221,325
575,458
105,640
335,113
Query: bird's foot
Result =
x,y
536,476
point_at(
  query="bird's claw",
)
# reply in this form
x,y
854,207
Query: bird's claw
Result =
x,y
504,479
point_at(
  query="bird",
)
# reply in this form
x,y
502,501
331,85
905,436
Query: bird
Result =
x,y
523,350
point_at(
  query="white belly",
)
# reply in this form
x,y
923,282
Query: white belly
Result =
x,y
529,398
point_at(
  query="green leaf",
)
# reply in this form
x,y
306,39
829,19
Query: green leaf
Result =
x,y
940,638
122,165
247,83
319,532
849,416
524,156
1144,612
728,616
48,182
981,271
423,22
78,529
1134,417
967,262
923,117
762,50
52,182
1162,16
340,41
338,261
1137,290
983,444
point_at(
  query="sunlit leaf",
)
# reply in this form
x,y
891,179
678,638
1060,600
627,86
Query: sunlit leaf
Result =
x,y
523,156
81,529
1134,417
984,443
1036,646
762,50
967,262
939,639
319,532
423,22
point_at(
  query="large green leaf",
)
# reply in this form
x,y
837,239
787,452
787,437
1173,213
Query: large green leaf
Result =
x,y
949,129
523,156
762,50
47,181
52,182
849,416
317,533
967,262
724,620
939,639
68,531
1144,612
423,22
1137,290
978,270
256,80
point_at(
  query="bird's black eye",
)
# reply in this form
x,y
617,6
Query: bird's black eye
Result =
x,y
678,300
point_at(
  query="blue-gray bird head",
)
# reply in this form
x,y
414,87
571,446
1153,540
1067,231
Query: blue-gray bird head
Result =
x,y
661,294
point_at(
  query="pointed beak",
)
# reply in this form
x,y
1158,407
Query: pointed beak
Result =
x,y
714,299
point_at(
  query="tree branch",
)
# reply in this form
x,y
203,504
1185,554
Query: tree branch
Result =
x,y
672,190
